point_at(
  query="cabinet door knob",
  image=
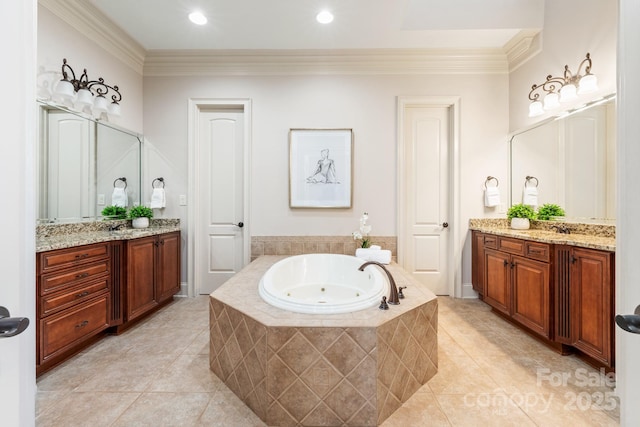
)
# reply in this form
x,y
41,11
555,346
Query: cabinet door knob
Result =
x,y
506,262
240,224
445,225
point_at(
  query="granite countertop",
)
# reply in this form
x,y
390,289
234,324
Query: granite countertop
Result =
x,y
61,236
241,292
593,237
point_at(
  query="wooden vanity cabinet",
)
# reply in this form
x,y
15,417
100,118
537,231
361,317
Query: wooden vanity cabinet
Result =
x,y
89,290
585,295
518,285
73,302
479,242
562,293
153,273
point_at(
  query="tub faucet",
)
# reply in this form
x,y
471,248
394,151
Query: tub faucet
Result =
x,y
393,293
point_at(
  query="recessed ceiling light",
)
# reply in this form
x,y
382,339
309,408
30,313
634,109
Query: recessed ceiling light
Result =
x,y
197,18
324,17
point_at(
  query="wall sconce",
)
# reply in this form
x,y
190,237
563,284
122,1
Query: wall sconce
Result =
x,y
87,95
558,90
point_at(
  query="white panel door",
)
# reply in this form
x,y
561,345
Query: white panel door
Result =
x,y
426,141
219,233
71,173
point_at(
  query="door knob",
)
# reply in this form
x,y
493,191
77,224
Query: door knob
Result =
x,y
630,322
11,326
240,224
445,225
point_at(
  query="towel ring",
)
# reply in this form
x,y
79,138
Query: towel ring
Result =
x,y
491,178
123,180
160,180
529,178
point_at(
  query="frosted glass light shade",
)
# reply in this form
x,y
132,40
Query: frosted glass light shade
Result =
x,y
114,109
64,89
568,93
588,84
551,101
84,98
100,105
535,109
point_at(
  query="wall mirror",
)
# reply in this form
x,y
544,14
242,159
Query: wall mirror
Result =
x,y
80,160
572,158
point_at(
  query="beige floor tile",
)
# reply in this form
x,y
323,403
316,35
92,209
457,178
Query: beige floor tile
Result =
x,y
457,375
482,409
86,409
164,409
226,410
422,409
132,372
188,373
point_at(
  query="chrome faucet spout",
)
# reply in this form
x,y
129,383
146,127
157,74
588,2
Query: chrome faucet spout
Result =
x,y
393,291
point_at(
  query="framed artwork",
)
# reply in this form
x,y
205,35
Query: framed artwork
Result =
x,y
320,168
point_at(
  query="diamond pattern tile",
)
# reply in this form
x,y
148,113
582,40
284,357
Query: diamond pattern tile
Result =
x,y
298,400
321,378
298,353
345,354
324,375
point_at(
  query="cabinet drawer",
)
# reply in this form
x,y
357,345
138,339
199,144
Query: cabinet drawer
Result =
x,y
490,241
61,300
57,281
512,246
54,260
539,251
63,330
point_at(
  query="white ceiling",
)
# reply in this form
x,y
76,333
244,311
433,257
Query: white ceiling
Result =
x,y
358,24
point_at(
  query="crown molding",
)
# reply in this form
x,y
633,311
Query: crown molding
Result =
x,y
96,26
522,47
324,62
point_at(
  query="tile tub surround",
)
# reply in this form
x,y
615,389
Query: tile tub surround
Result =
x,y
60,236
298,245
301,369
594,236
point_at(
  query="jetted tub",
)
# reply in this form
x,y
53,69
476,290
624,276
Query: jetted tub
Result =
x,y
322,284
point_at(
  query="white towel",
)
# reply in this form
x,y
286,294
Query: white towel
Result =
x,y
491,197
530,196
383,256
119,197
158,199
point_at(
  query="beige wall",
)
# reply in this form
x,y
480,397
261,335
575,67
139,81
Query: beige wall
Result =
x,y
571,29
365,103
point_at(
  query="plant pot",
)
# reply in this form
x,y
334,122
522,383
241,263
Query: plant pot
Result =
x,y
142,222
520,223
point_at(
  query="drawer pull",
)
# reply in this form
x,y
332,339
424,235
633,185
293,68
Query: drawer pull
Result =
x,y
82,324
82,294
536,251
82,276
82,256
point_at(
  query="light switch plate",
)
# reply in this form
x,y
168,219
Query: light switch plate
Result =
x,y
101,199
182,200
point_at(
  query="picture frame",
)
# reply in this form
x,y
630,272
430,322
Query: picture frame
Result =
x,y
321,168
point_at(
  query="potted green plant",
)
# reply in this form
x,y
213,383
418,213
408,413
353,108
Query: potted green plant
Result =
x,y
549,210
520,216
114,212
140,215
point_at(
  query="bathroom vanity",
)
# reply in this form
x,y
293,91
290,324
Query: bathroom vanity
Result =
x,y
90,281
558,287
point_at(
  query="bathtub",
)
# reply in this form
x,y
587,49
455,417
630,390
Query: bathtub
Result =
x,y
322,284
